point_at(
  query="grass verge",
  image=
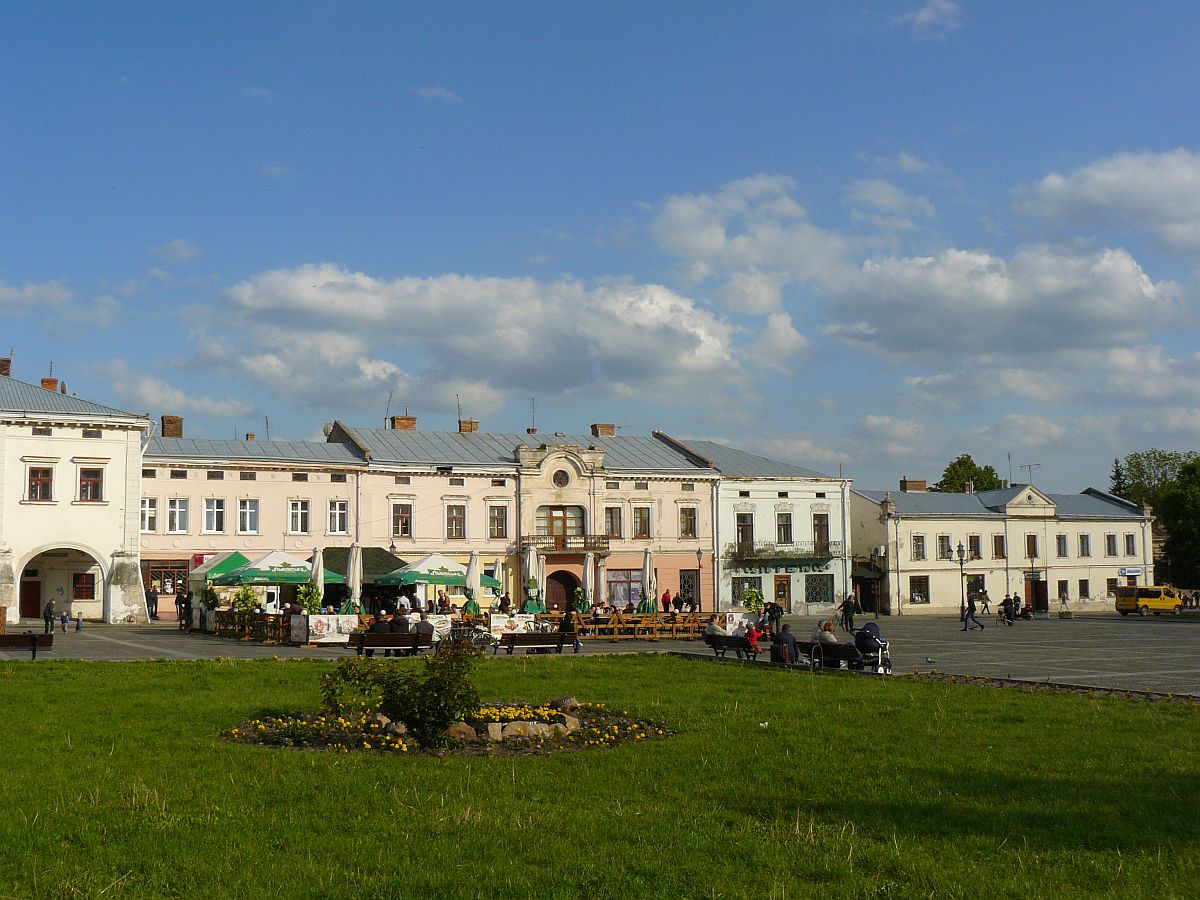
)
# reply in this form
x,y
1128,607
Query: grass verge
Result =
x,y
779,784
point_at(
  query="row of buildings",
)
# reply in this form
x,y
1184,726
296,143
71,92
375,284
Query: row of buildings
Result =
x,y
97,505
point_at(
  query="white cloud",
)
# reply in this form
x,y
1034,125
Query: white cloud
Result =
x,y
178,250
891,437
752,291
436,92
32,295
1154,192
140,391
257,93
778,344
276,170
932,18
881,204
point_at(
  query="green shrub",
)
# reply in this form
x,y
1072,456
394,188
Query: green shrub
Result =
x,y
209,598
246,598
309,598
355,686
430,702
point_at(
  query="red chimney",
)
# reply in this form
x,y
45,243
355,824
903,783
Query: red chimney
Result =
x,y
468,426
251,436
403,423
50,383
172,426
6,366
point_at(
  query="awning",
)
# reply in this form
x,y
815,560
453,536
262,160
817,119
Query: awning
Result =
x,y
275,568
434,569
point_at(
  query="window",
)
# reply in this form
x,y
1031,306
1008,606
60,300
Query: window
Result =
x,y
612,485
612,521
42,431
499,482
456,521
444,470
248,476
457,482
783,528
179,473
216,476
41,484
497,521
91,485
1084,590
299,476
687,521
1110,586
1131,545
149,514
943,547
818,588
1060,545
214,516
298,516
641,521
918,546
339,517
624,586
641,485
743,493
402,520
403,479
783,494
741,585
974,546
93,433
83,586
248,516
149,473
745,528
1031,546
687,486
1110,545
177,516
558,520
338,477
561,478
1063,590
918,589
820,495
999,551
821,532
1085,545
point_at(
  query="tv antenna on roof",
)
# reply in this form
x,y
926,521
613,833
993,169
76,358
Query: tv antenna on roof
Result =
x,y
267,425
1029,467
388,412
458,403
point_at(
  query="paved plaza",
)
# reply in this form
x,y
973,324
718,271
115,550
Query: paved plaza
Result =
x,y
1104,650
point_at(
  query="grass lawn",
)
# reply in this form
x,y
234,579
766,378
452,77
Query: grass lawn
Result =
x,y
115,784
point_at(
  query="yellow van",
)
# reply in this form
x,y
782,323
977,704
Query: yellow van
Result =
x,y
1148,599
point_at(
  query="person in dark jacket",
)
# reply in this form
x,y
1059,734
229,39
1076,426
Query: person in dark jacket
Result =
x,y
567,626
785,637
381,625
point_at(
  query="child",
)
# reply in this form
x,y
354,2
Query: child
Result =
x,y
64,619
78,622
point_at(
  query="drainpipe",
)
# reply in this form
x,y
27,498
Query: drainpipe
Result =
x,y
716,533
847,585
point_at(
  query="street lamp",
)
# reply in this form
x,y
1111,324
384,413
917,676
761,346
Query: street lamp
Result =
x,y
962,582
699,573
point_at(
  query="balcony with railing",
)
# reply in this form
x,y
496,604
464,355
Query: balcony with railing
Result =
x,y
566,543
771,550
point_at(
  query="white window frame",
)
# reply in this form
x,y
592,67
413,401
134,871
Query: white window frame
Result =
x,y
299,514
493,505
176,505
80,465
244,513
1003,546
466,518
1111,547
695,521
339,509
33,462
214,508
149,512
918,539
410,502
649,535
791,527
1062,546
949,554
1085,546
977,552
1130,543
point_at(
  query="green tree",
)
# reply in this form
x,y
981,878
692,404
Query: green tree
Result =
x,y
1118,482
1179,511
1149,472
964,469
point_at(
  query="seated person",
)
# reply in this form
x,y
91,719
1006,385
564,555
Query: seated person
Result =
x,y
567,626
381,625
400,625
785,637
714,628
824,634
425,627
629,607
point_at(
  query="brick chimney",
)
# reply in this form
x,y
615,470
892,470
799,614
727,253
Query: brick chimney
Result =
x,y
468,426
968,487
251,436
172,426
50,383
403,423
6,366
603,429
909,485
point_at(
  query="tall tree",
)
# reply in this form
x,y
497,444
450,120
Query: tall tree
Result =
x,y
1118,482
1179,512
1149,472
964,469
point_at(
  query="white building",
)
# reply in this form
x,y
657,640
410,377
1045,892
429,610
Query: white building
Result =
x,y
1020,539
781,528
69,488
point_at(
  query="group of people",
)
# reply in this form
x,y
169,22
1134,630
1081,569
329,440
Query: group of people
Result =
x,y
678,603
50,615
401,623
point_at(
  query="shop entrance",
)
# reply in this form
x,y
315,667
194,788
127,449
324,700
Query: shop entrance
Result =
x,y
560,591
31,599
783,592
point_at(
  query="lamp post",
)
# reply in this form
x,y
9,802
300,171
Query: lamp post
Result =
x,y
699,573
962,582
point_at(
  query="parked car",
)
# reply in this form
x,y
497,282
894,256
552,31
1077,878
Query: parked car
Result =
x,y
1146,599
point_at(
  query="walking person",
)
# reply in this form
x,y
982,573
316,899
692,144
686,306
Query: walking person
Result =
x,y
971,615
848,613
985,605
48,615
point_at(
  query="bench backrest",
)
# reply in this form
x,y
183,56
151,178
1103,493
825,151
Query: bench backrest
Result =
x,y
27,640
522,638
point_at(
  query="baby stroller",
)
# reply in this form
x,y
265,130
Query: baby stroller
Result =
x,y
874,649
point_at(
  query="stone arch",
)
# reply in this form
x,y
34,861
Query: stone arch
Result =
x,y
560,590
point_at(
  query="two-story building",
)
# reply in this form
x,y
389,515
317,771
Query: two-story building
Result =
x,y
69,488
1040,545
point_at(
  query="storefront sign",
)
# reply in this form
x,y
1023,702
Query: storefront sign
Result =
x,y
792,566
322,629
1130,570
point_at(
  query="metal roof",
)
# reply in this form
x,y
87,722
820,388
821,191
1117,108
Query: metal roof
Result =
x,y
621,453
258,451
21,397
991,504
734,463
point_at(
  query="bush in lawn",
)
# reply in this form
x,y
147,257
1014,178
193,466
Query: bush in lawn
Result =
x,y
428,703
356,686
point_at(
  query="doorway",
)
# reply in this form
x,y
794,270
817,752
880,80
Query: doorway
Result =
x,y
783,592
31,599
560,591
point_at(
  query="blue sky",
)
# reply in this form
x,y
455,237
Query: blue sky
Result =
x,y
862,236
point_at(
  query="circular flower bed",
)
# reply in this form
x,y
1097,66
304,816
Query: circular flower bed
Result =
x,y
591,725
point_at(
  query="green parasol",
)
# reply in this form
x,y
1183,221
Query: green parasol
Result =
x,y
276,567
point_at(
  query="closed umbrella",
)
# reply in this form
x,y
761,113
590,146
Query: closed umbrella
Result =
x,y
318,571
589,586
354,579
601,579
497,571
649,602
471,608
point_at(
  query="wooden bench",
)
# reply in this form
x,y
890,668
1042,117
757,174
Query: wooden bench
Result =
x,y
28,641
830,656
722,644
409,643
530,640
